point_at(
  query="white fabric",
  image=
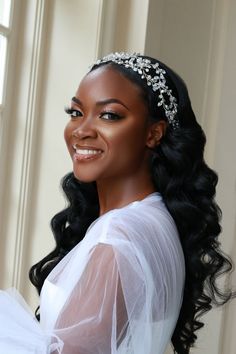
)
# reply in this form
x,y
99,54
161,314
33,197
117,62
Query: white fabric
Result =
x,y
119,291
20,332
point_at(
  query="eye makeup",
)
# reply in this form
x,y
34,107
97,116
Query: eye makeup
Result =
x,y
108,115
105,115
73,112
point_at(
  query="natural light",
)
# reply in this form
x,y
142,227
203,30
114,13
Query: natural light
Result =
x,y
5,7
3,47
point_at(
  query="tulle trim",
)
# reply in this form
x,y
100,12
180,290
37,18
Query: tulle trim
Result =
x,y
20,332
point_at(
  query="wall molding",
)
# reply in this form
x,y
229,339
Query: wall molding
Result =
x,y
107,28
37,17
210,116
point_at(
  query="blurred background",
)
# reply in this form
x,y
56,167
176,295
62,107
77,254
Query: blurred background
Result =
x,y
46,47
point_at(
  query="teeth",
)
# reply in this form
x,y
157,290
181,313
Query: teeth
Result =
x,y
87,152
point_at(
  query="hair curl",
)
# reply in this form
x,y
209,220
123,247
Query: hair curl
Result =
x,y
187,186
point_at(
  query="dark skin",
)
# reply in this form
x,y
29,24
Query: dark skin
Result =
x,y
111,138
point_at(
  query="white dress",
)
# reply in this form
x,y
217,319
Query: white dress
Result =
x,y
119,291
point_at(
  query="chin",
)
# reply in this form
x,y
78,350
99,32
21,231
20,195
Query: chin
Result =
x,y
83,178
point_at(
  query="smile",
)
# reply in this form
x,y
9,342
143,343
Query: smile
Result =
x,y
86,154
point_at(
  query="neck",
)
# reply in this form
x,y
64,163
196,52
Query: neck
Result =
x,y
117,193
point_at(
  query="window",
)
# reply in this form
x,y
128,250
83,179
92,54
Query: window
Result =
x,y
5,12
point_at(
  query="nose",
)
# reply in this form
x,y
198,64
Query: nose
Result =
x,y
84,130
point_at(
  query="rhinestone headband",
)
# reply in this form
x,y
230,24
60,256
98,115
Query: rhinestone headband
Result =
x,y
157,82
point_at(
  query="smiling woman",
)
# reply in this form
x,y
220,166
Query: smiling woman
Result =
x,y
108,119
137,252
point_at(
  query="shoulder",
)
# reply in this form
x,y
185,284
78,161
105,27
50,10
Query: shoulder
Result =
x,y
149,214
146,219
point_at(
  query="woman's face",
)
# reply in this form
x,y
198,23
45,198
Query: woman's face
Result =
x,y
107,137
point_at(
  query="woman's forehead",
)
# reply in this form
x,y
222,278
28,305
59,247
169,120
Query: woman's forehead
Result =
x,y
106,80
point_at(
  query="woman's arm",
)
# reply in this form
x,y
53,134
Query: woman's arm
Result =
x,y
94,318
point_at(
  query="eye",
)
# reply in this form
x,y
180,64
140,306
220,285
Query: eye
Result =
x,y
110,116
73,112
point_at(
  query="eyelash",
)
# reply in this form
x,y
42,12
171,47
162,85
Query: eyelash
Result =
x,y
113,116
73,112
76,113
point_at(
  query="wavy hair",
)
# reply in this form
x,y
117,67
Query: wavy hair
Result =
x,y
187,186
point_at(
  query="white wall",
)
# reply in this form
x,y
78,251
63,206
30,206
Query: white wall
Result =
x,y
57,40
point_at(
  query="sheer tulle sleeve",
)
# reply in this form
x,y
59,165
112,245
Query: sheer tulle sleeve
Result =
x,y
95,315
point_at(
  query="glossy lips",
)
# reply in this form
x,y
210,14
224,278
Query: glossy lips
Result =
x,y
86,153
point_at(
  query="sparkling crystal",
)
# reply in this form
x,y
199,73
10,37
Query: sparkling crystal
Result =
x,y
158,82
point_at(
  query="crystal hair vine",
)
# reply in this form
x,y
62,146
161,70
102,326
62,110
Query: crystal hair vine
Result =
x,y
157,81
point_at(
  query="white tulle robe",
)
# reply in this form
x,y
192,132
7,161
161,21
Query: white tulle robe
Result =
x,y
119,291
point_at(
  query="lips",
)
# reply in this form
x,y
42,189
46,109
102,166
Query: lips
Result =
x,y
86,153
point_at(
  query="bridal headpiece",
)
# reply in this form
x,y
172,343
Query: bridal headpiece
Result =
x,y
156,81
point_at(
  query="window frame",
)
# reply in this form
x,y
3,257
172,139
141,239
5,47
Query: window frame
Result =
x,y
6,32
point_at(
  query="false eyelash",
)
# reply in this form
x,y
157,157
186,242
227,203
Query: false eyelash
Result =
x,y
72,112
113,115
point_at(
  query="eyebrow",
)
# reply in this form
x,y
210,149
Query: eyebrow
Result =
x,y
76,100
102,102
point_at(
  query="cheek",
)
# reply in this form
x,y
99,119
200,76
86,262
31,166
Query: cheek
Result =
x,y
67,134
133,130
129,143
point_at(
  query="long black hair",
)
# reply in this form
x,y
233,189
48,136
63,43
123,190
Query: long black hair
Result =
x,y
187,186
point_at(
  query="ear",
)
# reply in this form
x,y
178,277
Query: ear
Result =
x,y
155,133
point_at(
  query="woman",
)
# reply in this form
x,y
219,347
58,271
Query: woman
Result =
x,y
137,252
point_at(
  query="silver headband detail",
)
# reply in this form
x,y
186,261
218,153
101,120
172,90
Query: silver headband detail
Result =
x,y
157,82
